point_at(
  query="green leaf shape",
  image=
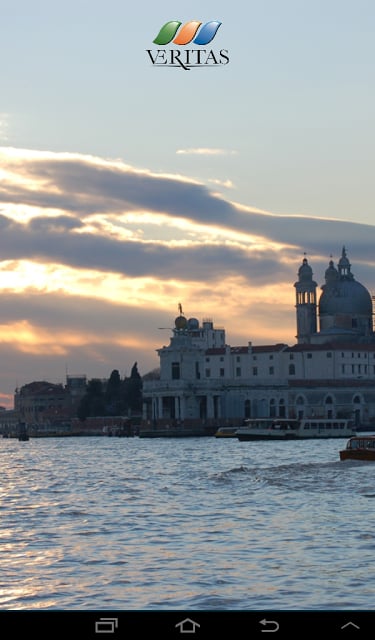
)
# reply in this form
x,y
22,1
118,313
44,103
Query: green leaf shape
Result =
x,y
167,32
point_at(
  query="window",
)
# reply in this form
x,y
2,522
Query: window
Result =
x,y
176,371
300,401
208,373
238,372
329,411
271,357
329,354
292,370
272,408
282,408
271,371
222,373
255,371
247,409
238,359
309,355
291,356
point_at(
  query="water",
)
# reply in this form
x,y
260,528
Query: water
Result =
x,y
196,523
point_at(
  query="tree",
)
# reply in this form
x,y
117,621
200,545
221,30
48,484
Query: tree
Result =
x,y
133,390
93,402
116,398
113,395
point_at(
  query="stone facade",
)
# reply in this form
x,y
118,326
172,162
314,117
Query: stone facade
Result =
x,y
329,372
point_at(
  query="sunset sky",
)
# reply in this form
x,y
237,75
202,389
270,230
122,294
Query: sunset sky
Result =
x,y
126,189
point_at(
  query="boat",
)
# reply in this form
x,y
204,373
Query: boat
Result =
x,y
359,447
226,432
178,432
290,429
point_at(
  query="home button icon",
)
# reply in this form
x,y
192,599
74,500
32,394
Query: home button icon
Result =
x,y
187,626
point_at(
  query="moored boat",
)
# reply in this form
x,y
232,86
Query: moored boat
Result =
x,y
177,432
359,447
285,429
226,432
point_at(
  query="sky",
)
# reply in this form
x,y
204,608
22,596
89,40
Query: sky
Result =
x,y
127,188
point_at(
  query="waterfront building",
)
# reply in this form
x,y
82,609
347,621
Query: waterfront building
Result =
x,y
329,372
43,404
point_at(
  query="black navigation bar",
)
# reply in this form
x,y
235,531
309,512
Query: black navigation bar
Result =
x,y
186,625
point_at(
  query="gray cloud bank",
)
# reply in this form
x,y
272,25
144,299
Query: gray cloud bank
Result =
x,y
80,186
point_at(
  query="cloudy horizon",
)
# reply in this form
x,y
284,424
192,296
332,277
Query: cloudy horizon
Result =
x,y
97,255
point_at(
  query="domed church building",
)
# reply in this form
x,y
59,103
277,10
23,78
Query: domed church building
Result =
x,y
328,373
345,306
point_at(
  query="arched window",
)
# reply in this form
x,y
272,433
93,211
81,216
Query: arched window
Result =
x,y
247,409
282,408
272,408
328,401
263,408
300,402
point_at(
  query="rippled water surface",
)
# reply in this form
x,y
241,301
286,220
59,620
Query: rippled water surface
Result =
x,y
196,523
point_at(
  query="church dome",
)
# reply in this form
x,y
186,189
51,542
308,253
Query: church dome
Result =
x,y
347,297
342,294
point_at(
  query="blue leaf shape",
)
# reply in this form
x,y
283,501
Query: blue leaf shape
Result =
x,y
207,32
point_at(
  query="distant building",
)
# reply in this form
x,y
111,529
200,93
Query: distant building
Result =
x,y
76,386
42,403
329,372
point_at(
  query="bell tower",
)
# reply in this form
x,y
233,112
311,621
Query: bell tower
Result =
x,y
305,303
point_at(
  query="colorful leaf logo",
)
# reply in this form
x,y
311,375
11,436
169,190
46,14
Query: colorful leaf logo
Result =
x,y
167,32
207,32
187,33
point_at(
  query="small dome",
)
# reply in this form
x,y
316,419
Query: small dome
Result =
x,y
180,322
331,273
344,262
193,323
305,271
